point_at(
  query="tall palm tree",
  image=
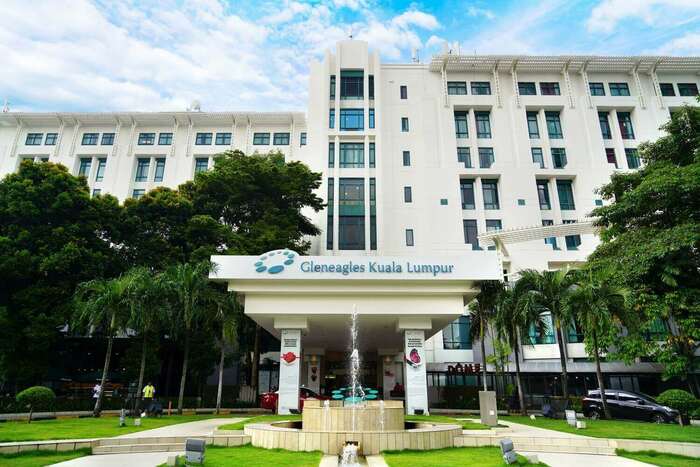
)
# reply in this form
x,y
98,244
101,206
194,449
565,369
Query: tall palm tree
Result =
x,y
547,291
599,306
227,308
482,312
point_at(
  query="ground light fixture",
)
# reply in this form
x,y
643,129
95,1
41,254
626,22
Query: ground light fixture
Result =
x,y
194,451
509,455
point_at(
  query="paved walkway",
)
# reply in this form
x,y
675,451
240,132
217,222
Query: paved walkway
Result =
x,y
584,460
518,429
142,459
198,428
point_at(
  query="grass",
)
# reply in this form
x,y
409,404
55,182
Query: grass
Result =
x,y
620,429
660,458
449,457
40,458
78,428
250,456
466,424
259,419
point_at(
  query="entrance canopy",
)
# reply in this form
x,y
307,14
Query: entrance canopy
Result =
x,y
317,294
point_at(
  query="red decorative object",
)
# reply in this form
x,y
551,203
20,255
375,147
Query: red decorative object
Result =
x,y
289,358
413,358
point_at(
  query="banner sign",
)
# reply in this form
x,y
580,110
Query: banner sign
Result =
x,y
290,358
416,379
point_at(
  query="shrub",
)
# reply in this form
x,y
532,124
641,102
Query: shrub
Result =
x,y
36,398
683,401
696,414
576,403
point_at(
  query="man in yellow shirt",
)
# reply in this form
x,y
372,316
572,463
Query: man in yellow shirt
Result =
x,y
148,393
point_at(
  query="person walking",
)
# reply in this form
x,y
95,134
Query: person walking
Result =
x,y
148,392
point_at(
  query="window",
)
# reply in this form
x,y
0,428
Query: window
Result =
x,y
202,139
575,333
145,139
372,213
526,88
51,139
35,139
352,119
537,157
331,155
351,222
370,86
165,139
90,139
101,166
604,125
687,89
543,195
407,158
533,128
667,89
261,139
657,330
464,157
96,192
625,121
409,237
493,225
572,241
138,193
559,158
456,336
549,89
610,156
550,240
489,189
331,118
404,92
486,158
483,124
632,156
542,336
352,155
461,124
107,139
471,233
457,88
332,88
201,164
404,124
351,84
597,89
481,88
407,194
302,139
44,159
566,195
372,156
160,169
224,139
554,125
142,165
281,139
371,118
329,219
619,89
466,188
84,167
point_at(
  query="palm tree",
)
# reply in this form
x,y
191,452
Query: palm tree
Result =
x,y
547,291
482,313
104,303
599,306
227,307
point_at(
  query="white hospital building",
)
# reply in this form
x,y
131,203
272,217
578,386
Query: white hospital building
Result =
x,y
481,163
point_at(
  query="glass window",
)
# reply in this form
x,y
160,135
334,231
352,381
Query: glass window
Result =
x,y
146,139
456,336
457,88
493,225
549,89
201,164
466,188
625,121
407,158
610,156
261,139
51,139
526,88
202,139
331,155
619,89
44,159
142,165
464,157
483,124
632,156
329,220
84,167
546,336
407,194
575,333
461,124
101,166
566,195
372,156
404,123
352,155
160,169
302,139
138,193
165,139
404,92
371,118
559,158
667,89
486,158
372,213
332,88
657,330
471,233
572,241
352,119
550,240
537,157
604,125
543,195
351,199
35,139
481,88
224,139
687,89
107,139
409,237
351,84
331,118
281,139
533,127
597,89
370,86
96,192
490,192
90,139
553,125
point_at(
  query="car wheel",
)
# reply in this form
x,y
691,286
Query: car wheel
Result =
x,y
658,418
594,415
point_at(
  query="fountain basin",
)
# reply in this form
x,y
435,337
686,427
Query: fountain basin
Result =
x,y
370,416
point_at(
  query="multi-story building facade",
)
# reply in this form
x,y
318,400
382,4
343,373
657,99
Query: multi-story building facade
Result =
x,y
417,159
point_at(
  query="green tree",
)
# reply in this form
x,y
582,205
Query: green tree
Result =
x,y
226,310
482,313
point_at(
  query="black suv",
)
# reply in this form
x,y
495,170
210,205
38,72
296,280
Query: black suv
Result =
x,y
626,404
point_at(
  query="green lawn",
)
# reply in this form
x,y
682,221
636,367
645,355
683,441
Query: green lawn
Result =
x,y
450,457
620,429
39,458
259,419
77,428
250,456
660,458
466,425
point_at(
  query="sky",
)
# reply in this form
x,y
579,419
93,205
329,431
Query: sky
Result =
x,y
160,55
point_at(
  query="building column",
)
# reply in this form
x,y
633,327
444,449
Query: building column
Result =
x,y
290,371
416,379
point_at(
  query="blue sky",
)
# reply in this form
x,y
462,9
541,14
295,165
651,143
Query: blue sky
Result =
x,y
150,55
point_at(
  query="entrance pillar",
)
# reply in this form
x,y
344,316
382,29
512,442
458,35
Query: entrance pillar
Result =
x,y
415,378
290,369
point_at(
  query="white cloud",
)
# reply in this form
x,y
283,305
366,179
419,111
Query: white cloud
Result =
x,y
417,18
351,4
474,11
608,13
688,44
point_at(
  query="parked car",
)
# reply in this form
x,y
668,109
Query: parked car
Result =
x,y
268,400
627,404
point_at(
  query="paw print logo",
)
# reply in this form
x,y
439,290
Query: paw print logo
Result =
x,y
273,262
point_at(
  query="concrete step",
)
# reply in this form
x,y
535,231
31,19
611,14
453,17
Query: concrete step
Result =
x,y
539,444
162,444
129,448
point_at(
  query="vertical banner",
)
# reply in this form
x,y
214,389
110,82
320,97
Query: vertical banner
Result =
x,y
416,379
290,366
